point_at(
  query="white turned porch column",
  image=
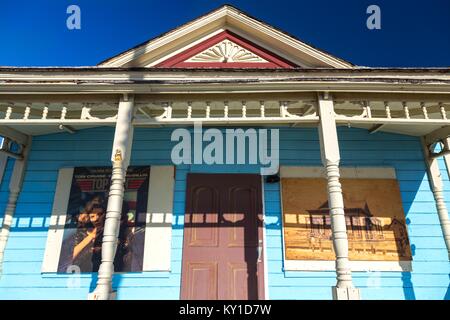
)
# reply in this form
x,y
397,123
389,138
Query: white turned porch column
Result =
x,y
447,158
329,146
15,186
437,187
123,138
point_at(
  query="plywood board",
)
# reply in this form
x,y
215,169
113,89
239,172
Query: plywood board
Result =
x,y
375,220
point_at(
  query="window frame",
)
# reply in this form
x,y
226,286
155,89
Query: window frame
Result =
x,y
157,254
354,172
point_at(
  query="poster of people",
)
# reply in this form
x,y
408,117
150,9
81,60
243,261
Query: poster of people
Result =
x,y
376,226
86,213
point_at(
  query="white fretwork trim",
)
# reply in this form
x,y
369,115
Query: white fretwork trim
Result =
x,y
226,51
86,115
379,114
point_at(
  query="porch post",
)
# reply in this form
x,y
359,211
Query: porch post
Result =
x,y
434,176
447,157
329,146
120,158
15,186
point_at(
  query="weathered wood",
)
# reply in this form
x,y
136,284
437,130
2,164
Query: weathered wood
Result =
x,y
436,135
13,134
375,220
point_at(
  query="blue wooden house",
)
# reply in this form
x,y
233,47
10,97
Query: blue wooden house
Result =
x,y
224,159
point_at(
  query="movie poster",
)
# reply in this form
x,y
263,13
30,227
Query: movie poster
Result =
x,y
86,213
374,215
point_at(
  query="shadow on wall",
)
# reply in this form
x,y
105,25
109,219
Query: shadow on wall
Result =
x,y
447,294
407,284
117,279
408,288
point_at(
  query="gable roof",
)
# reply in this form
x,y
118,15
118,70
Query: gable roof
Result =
x,y
279,44
226,50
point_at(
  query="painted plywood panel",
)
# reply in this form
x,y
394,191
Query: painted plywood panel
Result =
x,y
375,220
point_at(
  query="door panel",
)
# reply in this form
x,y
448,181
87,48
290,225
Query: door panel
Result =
x,y
200,273
222,232
205,206
237,275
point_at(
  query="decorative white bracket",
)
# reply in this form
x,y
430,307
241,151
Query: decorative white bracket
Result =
x,y
86,115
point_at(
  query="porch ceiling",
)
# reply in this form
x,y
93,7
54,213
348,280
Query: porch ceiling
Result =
x,y
406,129
412,130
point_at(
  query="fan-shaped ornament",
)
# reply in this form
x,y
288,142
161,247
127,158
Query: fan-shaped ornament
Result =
x,y
226,51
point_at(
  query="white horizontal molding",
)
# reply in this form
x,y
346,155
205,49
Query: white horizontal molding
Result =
x,y
411,121
330,265
345,172
246,84
55,122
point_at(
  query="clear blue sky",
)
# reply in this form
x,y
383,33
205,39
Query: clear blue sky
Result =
x,y
414,33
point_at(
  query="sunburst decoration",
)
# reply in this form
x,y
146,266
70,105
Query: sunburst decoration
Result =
x,y
226,51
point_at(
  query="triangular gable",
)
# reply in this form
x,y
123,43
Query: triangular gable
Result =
x,y
226,50
260,45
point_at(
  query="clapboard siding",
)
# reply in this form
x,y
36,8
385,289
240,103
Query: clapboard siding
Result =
x,y
430,276
22,278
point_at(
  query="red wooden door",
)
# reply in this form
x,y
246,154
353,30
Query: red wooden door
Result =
x,y
222,249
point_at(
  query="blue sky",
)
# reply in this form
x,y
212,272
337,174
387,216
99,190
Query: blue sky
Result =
x,y
414,33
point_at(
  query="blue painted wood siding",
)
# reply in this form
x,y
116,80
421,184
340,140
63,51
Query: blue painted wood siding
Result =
x,y
22,278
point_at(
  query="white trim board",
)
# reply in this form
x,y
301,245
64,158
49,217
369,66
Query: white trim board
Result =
x,y
345,172
227,17
184,48
57,220
330,265
265,261
158,230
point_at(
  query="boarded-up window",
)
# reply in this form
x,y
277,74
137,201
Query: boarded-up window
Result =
x,y
79,208
374,216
